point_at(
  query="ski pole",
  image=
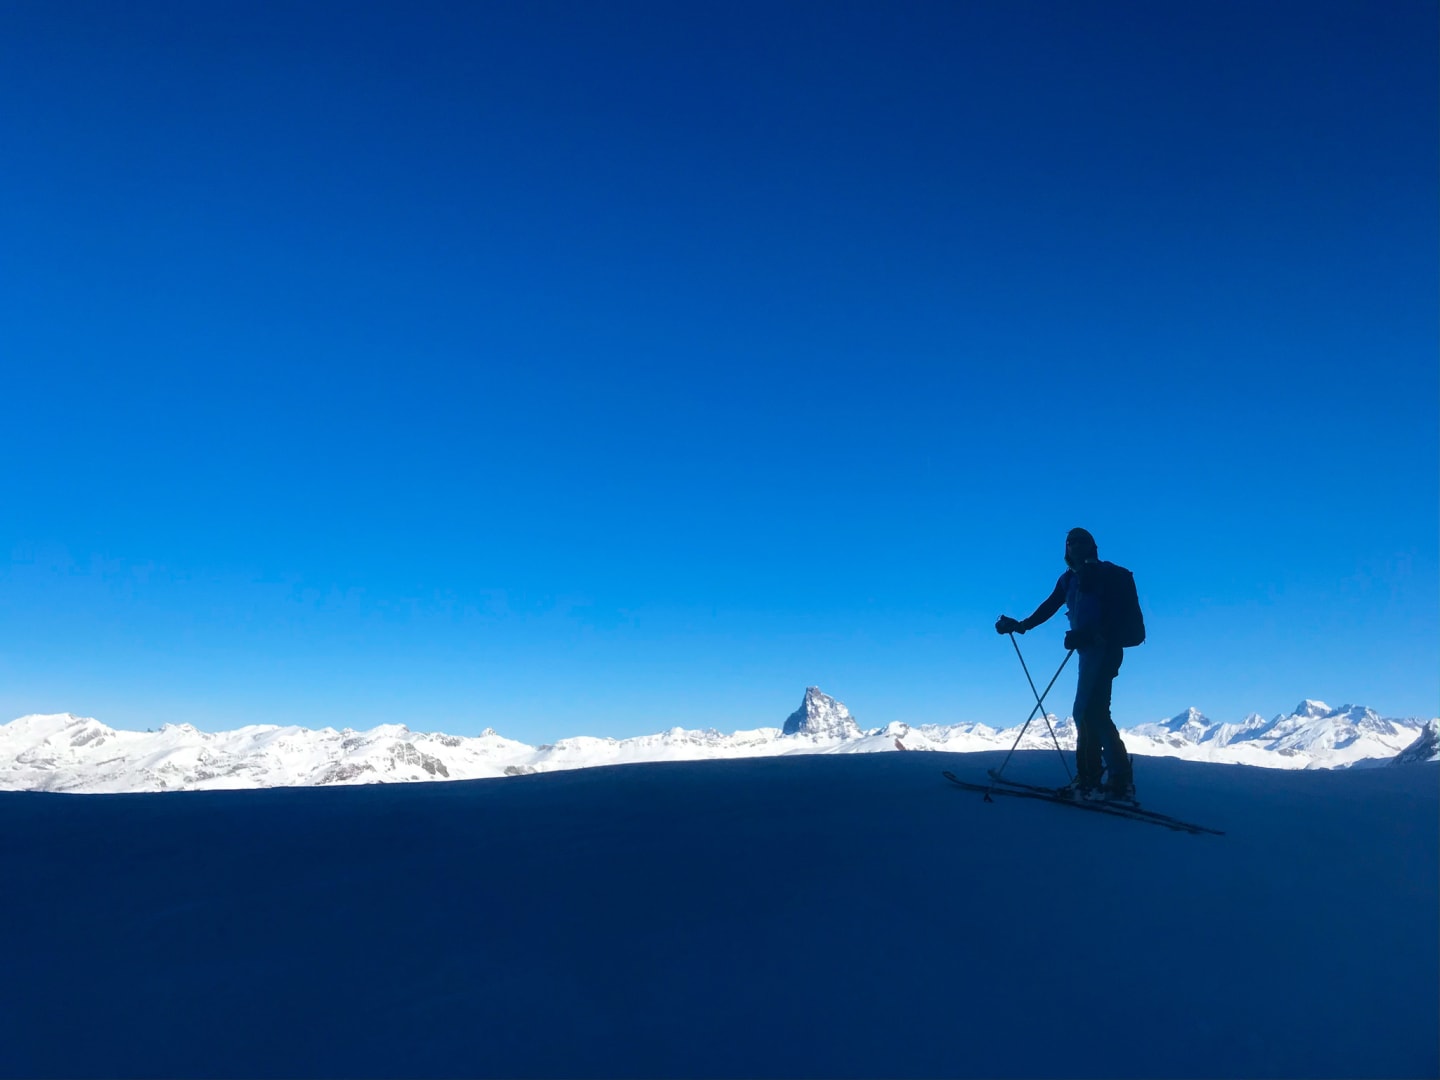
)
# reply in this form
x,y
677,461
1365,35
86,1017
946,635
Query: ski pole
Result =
x,y
1040,701
1039,705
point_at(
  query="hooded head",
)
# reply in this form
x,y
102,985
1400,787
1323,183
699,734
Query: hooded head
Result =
x,y
1079,547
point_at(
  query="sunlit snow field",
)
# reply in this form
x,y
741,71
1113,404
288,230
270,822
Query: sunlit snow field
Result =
x,y
826,915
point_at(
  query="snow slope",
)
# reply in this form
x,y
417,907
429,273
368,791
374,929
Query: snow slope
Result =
x,y
845,915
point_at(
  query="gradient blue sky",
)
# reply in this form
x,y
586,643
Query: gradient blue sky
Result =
x,y
577,368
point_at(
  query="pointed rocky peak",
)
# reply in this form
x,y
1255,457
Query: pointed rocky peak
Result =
x,y
1190,718
820,714
1311,709
1190,726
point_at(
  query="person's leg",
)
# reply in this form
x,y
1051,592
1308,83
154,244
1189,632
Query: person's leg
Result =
x,y
1087,746
1106,734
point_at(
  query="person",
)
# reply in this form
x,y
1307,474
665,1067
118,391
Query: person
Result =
x,y
1099,751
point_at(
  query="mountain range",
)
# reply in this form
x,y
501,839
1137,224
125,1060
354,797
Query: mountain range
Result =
x,y
63,752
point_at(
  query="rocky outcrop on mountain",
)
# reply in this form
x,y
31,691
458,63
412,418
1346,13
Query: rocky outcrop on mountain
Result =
x,y
822,716
1425,748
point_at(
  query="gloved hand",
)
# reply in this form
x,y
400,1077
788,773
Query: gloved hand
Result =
x,y
1007,625
1079,639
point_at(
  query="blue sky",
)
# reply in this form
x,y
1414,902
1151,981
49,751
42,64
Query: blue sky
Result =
x,y
587,369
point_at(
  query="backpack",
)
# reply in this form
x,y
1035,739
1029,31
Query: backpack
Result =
x,y
1120,606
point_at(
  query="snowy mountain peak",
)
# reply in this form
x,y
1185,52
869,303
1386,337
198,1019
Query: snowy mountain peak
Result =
x,y
1313,731
820,714
1190,718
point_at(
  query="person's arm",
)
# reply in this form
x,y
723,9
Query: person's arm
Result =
x,y
1047,608
1051,604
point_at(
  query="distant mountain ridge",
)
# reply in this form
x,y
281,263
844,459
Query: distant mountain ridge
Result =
x,y
78,754
1311,727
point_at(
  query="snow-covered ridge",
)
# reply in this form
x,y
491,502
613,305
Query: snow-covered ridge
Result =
x,y
1426,746
1312,735
70,753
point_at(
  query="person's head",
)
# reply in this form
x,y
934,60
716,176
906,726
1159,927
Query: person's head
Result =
x,y
1079,546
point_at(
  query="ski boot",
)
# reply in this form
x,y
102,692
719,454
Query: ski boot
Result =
x,y
1079,791
1120,789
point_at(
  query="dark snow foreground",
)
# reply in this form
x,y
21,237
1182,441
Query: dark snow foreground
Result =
x,y
822,915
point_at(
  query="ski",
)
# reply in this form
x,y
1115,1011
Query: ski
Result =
x,y
1129,804
1133,804
1050,797
1113,809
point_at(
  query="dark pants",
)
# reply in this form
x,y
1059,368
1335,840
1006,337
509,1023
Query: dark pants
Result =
x,y
1097,741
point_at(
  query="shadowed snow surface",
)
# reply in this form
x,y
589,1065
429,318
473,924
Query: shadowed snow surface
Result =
x,y
826,915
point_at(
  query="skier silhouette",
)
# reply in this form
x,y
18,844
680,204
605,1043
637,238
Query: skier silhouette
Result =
x,y
1098,747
